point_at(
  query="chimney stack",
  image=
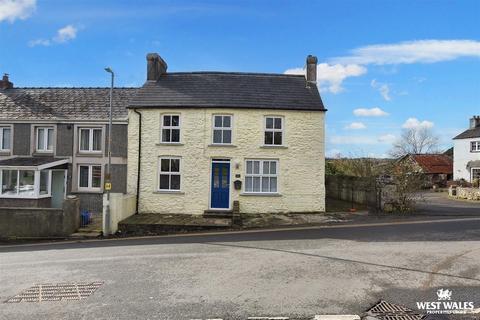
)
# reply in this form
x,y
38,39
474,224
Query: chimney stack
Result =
x,y
156,67
311,70
475,122
5,83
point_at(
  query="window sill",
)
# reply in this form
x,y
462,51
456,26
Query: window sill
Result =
x,y
169,144
89,154
87,191
222,145
259,194
168,192
26,198
42,153
267,146
4,152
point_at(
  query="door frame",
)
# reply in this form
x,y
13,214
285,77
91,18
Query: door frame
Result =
x,y
220,160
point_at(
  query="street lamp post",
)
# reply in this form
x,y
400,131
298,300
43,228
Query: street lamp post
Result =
x,y
107,186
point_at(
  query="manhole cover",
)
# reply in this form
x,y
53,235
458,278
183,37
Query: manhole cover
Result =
x,y
56,292
384,310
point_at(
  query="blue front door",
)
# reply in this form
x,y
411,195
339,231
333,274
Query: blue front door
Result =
x,y
220,192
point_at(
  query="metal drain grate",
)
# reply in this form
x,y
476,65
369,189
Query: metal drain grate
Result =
x,y
384,310
56,292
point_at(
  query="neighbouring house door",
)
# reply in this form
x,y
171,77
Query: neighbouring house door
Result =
x,y
58,188
220,191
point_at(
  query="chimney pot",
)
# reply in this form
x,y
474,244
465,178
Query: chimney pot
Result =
x,y
156,67
311,69
5,83
475,122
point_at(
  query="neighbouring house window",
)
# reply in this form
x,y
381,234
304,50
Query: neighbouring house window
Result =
x,y
89,177
44,139
17,183
5,134
261,176
90,139
20,183
169,174
170,128
44,182
222,129
273,130
475,146
475,173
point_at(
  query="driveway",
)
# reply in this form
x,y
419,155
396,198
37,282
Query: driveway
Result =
x,y
438,203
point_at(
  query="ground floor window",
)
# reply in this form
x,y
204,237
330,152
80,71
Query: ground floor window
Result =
x,y
169,174
25,183
475,174
89,177
261,176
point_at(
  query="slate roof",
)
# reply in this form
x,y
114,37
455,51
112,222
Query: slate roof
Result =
x,y
228,90
470,133
434,163
63,103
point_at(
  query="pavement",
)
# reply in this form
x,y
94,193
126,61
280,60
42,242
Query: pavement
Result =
x,y
294,272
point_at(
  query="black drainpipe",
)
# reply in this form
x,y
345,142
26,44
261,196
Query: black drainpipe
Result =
x,y
139,157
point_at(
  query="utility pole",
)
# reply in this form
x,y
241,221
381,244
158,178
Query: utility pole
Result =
x,y
108,184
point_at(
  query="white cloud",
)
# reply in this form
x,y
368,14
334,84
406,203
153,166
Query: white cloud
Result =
x,y
414,123
419,51
63,35
355,126
12,10
331,76
383,88
387,138
373,112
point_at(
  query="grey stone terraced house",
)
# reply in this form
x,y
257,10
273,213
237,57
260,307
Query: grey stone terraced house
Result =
x,y
53,143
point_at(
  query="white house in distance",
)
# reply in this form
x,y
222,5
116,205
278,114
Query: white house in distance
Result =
x,y
466,152
230,142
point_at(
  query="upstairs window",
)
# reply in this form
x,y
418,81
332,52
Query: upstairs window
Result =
x,y
44,139
90,139
261,176
169,179
222,129
273,131
475,146
5,138
170,128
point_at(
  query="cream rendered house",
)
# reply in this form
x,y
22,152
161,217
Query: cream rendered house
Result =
x,y
208,142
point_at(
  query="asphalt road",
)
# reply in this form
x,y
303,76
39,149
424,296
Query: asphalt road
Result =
x,y
295,273
438,204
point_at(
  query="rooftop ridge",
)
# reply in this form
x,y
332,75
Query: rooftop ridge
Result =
x,y
83,88
236,73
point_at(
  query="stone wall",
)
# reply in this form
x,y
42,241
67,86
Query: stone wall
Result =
x,y
465,193
24,222
347,188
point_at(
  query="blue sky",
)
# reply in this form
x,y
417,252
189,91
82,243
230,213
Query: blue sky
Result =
x,y
383,65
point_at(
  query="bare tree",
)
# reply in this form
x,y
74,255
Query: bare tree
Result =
x,y
415,141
